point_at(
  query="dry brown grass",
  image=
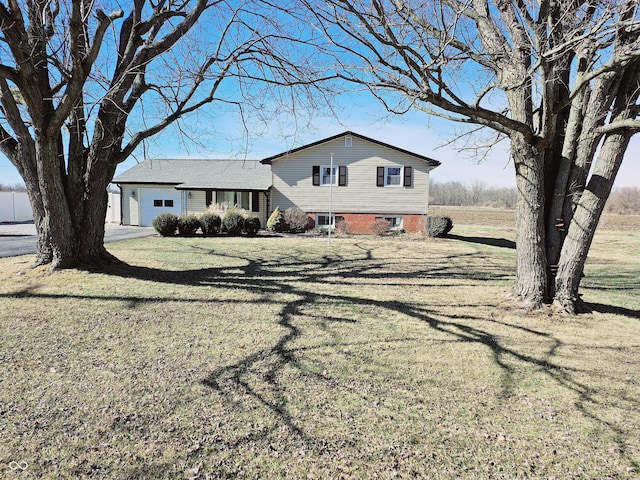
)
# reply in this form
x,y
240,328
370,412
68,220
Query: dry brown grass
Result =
x,y
286,358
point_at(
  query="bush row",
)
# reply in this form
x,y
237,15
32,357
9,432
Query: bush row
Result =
x,y
233,223
295,220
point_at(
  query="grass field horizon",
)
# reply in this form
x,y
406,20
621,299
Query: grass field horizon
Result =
x,y
286,357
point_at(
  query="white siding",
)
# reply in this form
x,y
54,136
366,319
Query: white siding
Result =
x,y
262,214
130,208
198,201
293,181
132,196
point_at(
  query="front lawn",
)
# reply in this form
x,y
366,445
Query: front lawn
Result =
x,y
289,358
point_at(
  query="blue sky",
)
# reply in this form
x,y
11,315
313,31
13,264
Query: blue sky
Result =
x,y
414,132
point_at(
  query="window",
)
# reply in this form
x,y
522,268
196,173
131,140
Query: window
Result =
x,y
322,220
328,175
168,203
394,176
231,199
395,222
157,203
324,175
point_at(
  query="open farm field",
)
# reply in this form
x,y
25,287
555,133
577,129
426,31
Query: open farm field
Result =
x,y
506,218
286,357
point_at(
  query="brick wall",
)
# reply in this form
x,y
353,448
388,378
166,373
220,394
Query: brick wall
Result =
x,y
360,223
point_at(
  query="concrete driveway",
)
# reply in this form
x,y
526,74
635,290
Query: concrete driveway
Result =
x,y
20,238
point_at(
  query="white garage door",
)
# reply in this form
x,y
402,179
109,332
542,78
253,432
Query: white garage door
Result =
x,y
157,200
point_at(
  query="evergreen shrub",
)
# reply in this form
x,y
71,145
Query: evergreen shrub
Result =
x,y
438,226
251,225
233,222
166,224
275,220
188,224
210,223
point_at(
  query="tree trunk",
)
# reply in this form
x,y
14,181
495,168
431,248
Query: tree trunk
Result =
x,y
69,218
583,225
531,263
55,229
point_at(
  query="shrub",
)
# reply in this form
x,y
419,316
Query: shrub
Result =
x,y
343,227
438,226
233,222
210,223
251,225
275,219
318,232
166,224
296,219
380,227
188,224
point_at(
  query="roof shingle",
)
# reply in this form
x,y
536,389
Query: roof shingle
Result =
x,y
200,174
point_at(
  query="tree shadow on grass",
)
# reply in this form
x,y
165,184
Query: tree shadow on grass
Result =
x,y
298,278
293,285
490,241
627,312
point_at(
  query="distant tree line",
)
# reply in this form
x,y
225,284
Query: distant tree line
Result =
x,y
623,200
12,187
478,193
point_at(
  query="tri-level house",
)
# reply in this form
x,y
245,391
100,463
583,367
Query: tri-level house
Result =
x,y
347,177
359,179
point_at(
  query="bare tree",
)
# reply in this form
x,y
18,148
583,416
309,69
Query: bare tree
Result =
x,y
81,89
560,79
624,201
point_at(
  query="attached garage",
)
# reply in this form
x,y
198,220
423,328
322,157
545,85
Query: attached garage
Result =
x,y
189,186
158,200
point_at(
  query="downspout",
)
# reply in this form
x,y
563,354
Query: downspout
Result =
x,y
121,203
268,197
426,202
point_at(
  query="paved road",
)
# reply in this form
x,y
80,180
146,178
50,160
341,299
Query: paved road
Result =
x,y
20,238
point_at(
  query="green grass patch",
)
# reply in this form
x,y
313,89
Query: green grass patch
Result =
x,y
289,358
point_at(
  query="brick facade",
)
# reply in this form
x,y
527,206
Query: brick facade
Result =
x,y
361,223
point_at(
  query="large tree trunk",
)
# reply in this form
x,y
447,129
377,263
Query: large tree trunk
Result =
x,y
531,263
585,220
55,227
70,217
587,207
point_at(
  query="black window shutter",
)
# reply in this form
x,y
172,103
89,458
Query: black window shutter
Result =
x,y
255,201
407,176
316,174
209,199
342,176
380,178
